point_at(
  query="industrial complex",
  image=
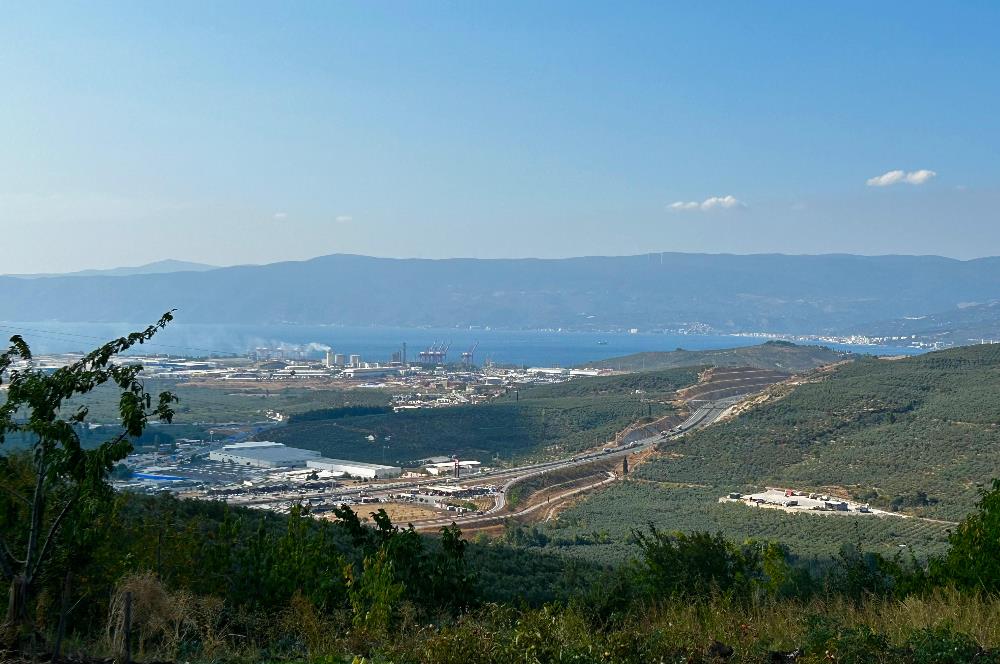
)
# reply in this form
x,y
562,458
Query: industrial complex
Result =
x,y
268,454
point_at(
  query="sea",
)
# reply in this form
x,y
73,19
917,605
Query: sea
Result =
x,y
549,348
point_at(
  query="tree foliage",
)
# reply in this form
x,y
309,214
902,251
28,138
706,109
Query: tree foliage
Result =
x,y
973,560
64,477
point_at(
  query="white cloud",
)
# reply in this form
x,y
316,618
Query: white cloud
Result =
x,y
895,177
344,219
711,203
280,215
721,202
920,177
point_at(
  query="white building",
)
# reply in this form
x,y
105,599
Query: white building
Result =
x,y
548,371
370,372
263,454
448,468
355,468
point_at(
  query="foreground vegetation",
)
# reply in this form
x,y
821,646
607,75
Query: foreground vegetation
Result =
x,y
209,583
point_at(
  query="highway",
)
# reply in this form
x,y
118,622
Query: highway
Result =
x,y
706,415
508,477
490,516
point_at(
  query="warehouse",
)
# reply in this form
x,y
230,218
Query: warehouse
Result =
x,y
372,471
263,454
370,372
450,467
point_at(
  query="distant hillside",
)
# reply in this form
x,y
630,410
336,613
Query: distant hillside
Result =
x,y
779,355
778,293
918,435
888,430
159,267
970,322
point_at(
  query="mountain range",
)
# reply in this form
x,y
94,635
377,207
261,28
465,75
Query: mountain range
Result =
x,y
157,267
728,293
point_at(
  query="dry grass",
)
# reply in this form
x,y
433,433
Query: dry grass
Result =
x,y
162,620
773,625
401,513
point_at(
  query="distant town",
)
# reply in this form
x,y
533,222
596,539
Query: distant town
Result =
x,y
272,476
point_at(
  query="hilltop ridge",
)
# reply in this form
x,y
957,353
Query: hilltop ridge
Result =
x,y
166,266
778,355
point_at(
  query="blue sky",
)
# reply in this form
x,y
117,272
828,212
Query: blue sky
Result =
x,y
250,132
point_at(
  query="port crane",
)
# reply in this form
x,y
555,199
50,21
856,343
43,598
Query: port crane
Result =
x,y
468,357
435,353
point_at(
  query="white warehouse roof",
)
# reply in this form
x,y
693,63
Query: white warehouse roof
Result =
x,y
252,444
355,467
263,453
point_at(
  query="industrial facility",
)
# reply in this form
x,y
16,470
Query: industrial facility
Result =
x,y
454,467
370,372
371,471
263,454
268,454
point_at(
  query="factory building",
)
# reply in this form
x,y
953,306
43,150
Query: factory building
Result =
x,y
448,468
355,468
355,361
263,454
268,454
548,371
370,372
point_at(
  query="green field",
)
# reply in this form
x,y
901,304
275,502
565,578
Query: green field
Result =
x,y
533,421
599,528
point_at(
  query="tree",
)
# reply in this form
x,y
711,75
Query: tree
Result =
x,y
697,564
973,561
63,475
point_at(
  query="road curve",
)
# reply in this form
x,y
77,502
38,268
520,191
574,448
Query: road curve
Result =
x,y
706,415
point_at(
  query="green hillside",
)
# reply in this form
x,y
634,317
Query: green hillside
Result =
x,y
534,420
778,355
662,383
919,435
